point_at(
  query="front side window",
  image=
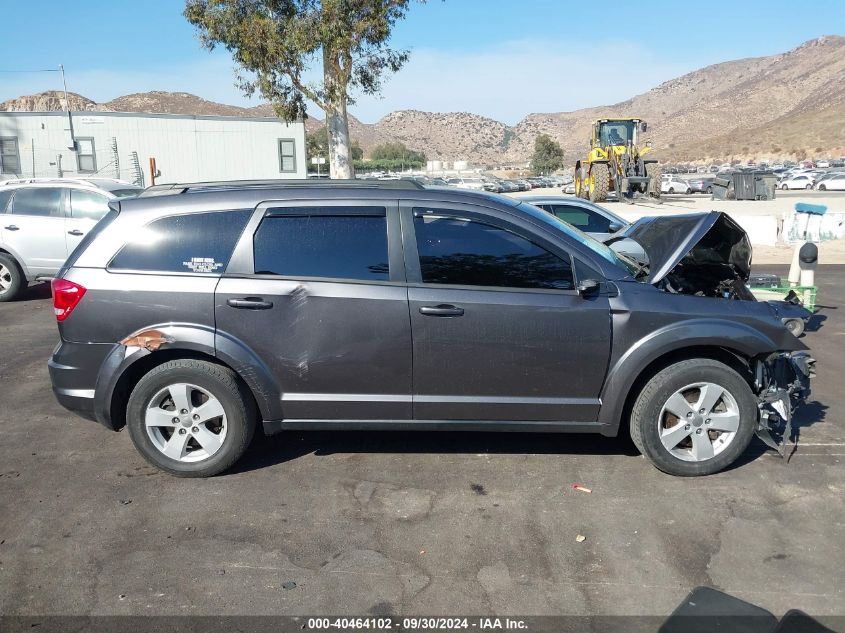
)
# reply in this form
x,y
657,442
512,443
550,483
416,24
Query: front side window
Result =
x,y
190,243
352,246
287,155
465,252
10,159
86,160
39,201
88,204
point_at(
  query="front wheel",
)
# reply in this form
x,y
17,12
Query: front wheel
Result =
x,y
709,191
695,417
11,278
784,188
808,187
822,188
190,418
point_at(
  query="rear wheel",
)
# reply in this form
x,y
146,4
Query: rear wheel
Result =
x,y
709,191
601,182
190,418
11,278
653,171
694,417
822,187
808,187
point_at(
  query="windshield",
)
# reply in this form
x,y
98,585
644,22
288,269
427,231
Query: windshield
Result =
x,y
616,132
601,249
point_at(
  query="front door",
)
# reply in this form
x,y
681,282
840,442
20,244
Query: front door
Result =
x,y
499,331
34,228
321,299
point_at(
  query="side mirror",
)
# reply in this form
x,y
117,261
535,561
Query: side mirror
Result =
x,y
643,126
587,287
613,228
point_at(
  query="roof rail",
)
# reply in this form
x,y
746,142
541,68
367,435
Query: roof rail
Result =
x,y
179,188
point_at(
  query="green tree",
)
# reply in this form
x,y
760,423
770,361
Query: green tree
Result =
x,y
547,156
275,44
396,151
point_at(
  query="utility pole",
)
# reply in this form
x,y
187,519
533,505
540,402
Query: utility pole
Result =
x,y
67,107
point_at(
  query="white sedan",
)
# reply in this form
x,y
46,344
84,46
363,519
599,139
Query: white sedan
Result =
x,y
798,181
671,184
837,183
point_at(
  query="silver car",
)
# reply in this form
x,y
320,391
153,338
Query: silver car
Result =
x,y
592,219
42,220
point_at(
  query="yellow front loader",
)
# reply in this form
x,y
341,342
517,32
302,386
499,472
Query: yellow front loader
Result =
x,y
617,162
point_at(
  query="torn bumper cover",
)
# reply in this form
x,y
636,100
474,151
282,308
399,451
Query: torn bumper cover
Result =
x,y
783,383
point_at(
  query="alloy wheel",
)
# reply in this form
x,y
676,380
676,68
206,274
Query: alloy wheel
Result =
x,y
185,422
698,421
5,279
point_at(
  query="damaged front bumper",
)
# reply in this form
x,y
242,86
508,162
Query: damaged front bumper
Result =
x,y
782,382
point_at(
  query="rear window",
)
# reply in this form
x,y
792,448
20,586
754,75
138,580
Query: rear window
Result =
x,y
190,243
352,246
4,199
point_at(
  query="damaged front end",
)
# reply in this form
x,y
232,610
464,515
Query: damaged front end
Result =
x,y
782,382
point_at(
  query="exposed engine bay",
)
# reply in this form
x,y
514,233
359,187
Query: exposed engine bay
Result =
x,y
706,280
782,381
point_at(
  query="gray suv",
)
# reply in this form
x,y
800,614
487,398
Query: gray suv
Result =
x,y
194,312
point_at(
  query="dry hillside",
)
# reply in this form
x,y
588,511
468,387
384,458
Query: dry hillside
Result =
x,y
792,103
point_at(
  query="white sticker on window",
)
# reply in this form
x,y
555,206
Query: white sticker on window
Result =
x,y
202,264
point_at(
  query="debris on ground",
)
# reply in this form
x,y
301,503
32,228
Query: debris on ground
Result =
x,y
580,538
125,502
581,488
289,585
422,552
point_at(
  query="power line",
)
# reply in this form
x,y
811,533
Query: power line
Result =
x,y
39,70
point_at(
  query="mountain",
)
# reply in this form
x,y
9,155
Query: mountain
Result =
x,y
791,104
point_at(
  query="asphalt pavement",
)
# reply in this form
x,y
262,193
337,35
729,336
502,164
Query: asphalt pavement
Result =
x,y
409,523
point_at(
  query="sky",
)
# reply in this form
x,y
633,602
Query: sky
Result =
x,y
501,58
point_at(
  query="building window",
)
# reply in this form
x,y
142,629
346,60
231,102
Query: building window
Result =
x,y
86,160
10,159
287,155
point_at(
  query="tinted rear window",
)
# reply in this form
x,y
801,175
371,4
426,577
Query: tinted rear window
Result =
x,y
330,246
191,243
4,199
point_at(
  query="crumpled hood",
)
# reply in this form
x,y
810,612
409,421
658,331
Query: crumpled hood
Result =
x,y
695,238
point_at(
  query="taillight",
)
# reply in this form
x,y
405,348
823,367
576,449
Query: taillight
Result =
x,y
66,295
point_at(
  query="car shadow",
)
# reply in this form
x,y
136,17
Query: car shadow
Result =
x,y
34,292
289,445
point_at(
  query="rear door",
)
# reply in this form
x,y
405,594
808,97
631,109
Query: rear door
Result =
x,y
86,208
34,228
317,291
499,330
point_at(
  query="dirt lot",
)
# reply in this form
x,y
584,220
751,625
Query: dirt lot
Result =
x,y
406,523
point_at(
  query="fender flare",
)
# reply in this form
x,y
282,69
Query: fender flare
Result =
x,y
191,338
4,248
745,341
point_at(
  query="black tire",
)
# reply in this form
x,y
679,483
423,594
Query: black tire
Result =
x,y
645,415
601,182
654,172
709,191
219,381
671,190
13,280
808,187
822,188
688,191
784,188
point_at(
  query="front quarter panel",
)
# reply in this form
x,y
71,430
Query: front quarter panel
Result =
x,y
649,323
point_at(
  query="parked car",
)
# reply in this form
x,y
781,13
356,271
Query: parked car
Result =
x,y
823,164
836,183
44,219
493,186
701,184
797,181
193,315
569,189
593,219
673,184
476,184
523,184
535,182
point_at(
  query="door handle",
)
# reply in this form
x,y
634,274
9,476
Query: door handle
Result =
x,y
442,310
75,232
250,303
11,227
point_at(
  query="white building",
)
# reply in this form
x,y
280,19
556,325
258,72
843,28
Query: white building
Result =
x,y
185,148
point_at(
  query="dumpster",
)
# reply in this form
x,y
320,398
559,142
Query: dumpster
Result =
x,y
745,185
720,188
